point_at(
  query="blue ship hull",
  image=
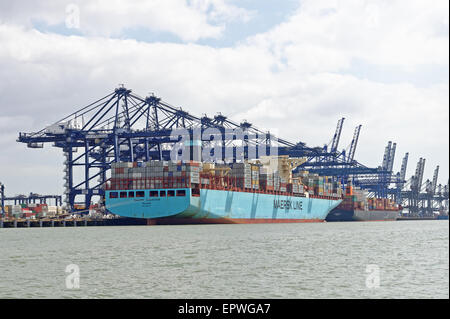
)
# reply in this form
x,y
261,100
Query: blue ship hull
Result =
x,y
217,206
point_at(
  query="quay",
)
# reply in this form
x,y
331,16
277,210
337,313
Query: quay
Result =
x,y
73,222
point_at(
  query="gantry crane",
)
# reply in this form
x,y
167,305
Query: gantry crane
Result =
x,y
123,126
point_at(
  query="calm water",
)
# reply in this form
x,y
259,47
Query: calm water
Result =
x,y
326,260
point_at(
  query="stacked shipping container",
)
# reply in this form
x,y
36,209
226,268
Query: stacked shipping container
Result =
x,y
356,198
32,210
154,174
246,176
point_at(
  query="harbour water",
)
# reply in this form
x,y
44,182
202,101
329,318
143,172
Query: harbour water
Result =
x,y
408,259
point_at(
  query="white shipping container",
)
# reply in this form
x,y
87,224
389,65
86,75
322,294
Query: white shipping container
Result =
x,y
241,165
194,174
16,208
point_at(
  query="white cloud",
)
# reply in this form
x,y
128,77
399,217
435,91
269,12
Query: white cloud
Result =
x,y
292,78
327,35
189,20
222,10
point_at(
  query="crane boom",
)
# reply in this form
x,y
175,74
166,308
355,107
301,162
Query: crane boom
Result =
x,y
435,178
387,153
337,135
403,171
391,157
351,153
422,169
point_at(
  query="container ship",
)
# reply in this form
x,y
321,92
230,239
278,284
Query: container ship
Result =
x,y
166,192
357,206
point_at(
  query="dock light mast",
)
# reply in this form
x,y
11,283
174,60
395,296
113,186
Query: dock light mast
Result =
x,y
2,199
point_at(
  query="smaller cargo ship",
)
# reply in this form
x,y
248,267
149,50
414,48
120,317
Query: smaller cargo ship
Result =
x,y
357,206
420,216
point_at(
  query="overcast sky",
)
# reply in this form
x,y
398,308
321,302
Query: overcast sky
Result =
x,y
294,67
